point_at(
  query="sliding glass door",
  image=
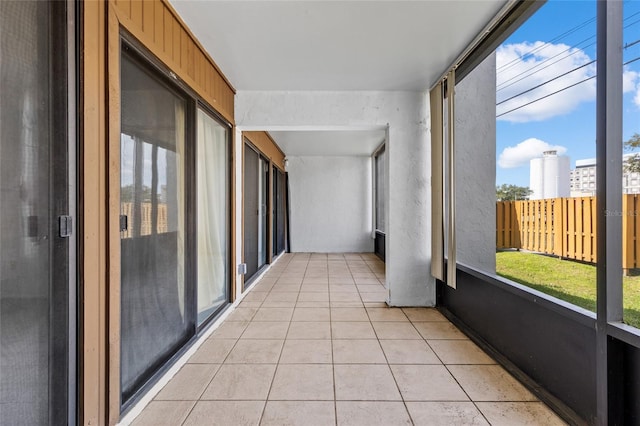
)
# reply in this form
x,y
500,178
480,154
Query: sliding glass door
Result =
x,y
213,215
36,362
156,314
256,219
278,211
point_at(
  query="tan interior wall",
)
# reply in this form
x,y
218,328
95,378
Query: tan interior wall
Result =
x,y
157,27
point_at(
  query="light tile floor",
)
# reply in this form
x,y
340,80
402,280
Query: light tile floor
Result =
x,y
313,343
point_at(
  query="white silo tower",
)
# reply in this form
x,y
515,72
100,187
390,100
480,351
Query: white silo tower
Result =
x,y
549,176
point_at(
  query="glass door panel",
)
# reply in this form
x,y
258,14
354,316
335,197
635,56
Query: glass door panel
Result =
x,y
34,185
213,217
156,315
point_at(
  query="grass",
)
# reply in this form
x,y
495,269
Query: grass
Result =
x,y
570,281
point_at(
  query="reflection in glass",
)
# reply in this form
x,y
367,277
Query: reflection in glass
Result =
x,y
154,317
213,219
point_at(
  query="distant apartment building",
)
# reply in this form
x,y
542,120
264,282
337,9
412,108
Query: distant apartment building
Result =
x,y
549,176
583,178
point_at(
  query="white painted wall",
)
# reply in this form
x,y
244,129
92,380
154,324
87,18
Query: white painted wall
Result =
x,y
331,206
476,167
408,242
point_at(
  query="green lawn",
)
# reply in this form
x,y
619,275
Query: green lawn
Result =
x,y
571,281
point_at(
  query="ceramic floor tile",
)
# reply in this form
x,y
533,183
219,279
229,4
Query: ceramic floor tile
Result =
x,y
375,305
367,413
250,351
304,304
369,288
490,383
189,383
352,330
164,413
242,314
213,351
287,288
278,303
281,297
459,352
316,279
290,280
309,330
349,314
423,314
255,296
341,304
358,352
249,304
299,413
266,330
314,297
379,297
273,314
236,413
229,330
365,383
314,288
306,352
408,352
341,289
395,330
427,383
386,314
445,414
302,382
241,382
520,413
367,281
341,280
438,330
311,314
345,297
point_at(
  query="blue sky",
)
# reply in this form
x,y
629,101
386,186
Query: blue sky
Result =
x,y
559,38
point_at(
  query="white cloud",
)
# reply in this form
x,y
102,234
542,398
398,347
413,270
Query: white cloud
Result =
x,y
522,153
523,66
518,72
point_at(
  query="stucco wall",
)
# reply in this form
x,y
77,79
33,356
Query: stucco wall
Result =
x,y
476,167
330,204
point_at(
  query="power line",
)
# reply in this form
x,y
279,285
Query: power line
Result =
x,y
565,73
557,38
546,82
546,96
577,50
560,90
575,46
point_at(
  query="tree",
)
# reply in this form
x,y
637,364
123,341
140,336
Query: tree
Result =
x,y
633,162
507,192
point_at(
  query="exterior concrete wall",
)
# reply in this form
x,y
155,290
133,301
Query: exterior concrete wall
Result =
x,y
476,167
408,246
331,206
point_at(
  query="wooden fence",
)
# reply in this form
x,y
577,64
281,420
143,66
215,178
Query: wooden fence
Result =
x,y
565,227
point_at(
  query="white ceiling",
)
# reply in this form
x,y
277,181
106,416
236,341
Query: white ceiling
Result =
x,y
329,143
335,45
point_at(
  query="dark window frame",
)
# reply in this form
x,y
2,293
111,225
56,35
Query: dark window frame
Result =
x,y
157,70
